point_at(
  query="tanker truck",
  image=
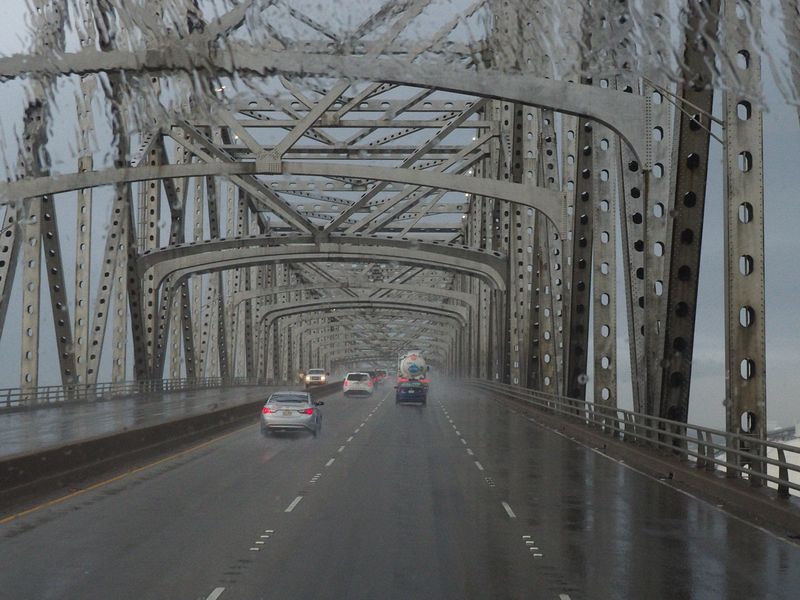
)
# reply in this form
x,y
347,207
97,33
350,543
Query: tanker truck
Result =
x,y
411,366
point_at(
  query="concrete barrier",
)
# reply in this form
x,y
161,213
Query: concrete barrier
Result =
x,y
35,473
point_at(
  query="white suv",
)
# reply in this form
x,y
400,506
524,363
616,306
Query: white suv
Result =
x,y
357,383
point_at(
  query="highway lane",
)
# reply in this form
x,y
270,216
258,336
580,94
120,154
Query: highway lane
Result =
x,y
459,499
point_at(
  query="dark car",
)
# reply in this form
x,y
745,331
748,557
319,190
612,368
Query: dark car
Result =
x,y
411,391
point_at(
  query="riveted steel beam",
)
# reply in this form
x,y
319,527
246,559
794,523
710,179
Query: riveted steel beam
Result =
x,y
356,285
745,364
217,255
624,113
549,202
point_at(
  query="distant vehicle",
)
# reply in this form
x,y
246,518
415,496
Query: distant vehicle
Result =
x,y
411,366
382,374
291,411
358,383
411,391
316,377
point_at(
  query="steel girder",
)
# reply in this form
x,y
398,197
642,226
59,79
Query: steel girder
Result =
x,y
467,299
626,114
457,313
218,255
745,302
550,203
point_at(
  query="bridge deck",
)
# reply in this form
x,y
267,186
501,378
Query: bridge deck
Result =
x,y
460,499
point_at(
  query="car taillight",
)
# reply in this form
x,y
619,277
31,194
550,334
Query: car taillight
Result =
x,y
308,411
346,383
369,383
266,410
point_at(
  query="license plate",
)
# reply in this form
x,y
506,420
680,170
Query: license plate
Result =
x,y
287,413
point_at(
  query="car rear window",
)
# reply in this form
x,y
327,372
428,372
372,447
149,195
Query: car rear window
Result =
x,y
357,377
289,398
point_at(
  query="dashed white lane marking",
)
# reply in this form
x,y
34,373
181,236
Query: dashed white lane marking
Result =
x,y
508,510
458,432
563,597
264,537
340,448
259,542
357,430
330,462
470,452
315,478
215,594
350,439
463,441
255,549
479,465
362,424
294,503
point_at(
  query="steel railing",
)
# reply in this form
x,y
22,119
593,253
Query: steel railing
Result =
x,y
56,395
761,461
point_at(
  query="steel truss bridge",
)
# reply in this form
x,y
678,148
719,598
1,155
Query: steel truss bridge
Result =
x,y
244,203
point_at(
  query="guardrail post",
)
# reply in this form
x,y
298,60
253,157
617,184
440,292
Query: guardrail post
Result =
x,y
783,475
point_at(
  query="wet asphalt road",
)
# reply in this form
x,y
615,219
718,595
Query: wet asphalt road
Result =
x,y
36,429
460,499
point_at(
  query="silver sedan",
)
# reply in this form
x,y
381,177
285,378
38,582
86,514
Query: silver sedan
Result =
x,y
291,411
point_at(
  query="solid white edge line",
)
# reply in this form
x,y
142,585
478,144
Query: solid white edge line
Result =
x,y
216,593
294,503
508,510
330,462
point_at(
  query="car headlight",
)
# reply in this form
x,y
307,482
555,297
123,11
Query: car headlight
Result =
x,y
322,378
308,378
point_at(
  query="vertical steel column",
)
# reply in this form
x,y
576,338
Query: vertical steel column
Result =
x,y
580,289
633,244
36,215
198,201
746,410
604,267
83,208
551,272
690,160
569,177
30,215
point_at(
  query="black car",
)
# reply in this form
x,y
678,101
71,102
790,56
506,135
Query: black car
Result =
x,y
411,391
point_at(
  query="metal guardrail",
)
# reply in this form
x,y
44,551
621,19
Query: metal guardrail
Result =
x,y
57,395
761,462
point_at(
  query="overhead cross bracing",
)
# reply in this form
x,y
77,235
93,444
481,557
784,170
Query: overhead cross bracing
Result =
x,y
487,161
